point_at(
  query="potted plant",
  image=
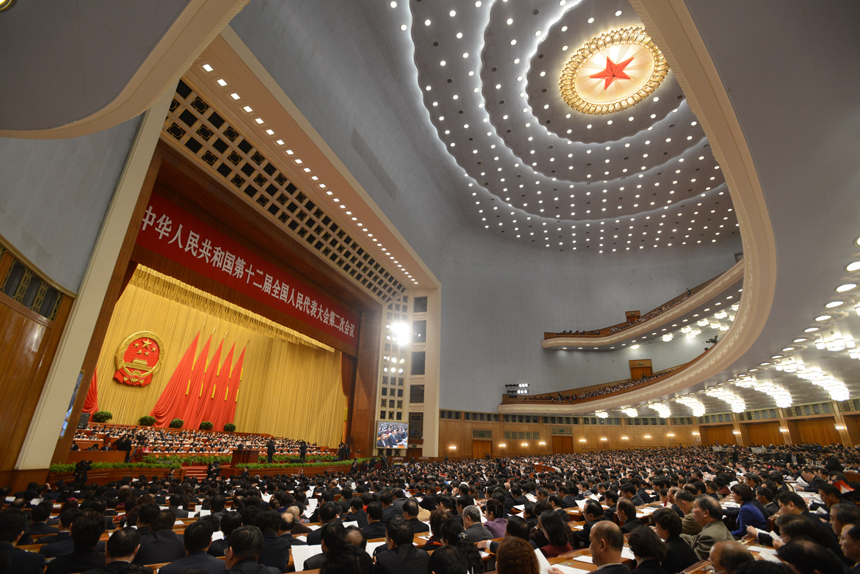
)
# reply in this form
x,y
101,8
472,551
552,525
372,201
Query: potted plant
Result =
x,y
176,423
229,427
206,425
102,416
146,421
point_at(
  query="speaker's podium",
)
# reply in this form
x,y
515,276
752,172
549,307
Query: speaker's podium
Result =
x,y
244,457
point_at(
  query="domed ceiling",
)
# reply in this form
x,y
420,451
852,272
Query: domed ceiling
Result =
x,y
626,168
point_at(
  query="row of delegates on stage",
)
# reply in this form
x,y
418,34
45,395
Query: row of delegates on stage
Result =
x,y
690,483
192,441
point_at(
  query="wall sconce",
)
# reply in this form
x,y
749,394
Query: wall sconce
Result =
x,y
524,444
502,445
647,436
840,427
452,447
624,438
582,440
783,429
671,434
736,432
542,443
603,438
696,433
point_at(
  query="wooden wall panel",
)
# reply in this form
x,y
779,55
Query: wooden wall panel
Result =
x,y
482,448
458,434
717,434
28,343
562,444
764,433
820,430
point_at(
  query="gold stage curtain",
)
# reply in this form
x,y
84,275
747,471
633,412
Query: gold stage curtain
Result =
x,y
291,384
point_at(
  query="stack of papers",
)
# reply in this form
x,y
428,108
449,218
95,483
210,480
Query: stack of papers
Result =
x,y
302,553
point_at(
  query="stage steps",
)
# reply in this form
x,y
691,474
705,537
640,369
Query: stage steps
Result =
x,y
198,471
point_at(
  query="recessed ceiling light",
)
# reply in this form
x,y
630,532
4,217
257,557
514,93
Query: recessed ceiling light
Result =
x,y
427,22
259,120
248,109
403,27
591,20
452,13
235,96
834,304
853,266
846,287
810,329
799,340
222,82
459,35
822,317
207,67
393,4
618,13
786,349
289,152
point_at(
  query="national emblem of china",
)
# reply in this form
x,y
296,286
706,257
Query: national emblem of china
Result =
x,y
138,358
612,72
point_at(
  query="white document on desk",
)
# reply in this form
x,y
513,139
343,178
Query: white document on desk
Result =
x,y
543,564
569,570
302,553
585,558
627,553
371,546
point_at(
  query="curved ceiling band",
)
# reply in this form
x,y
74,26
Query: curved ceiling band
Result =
x,y
672,27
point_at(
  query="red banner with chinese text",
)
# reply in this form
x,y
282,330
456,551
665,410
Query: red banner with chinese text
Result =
x,y
174,233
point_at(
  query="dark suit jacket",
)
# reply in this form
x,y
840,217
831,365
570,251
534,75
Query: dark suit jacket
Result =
x,y
41,528
178,512
565,517
648,567
160,546
477,532
406,558
679,557
23,562
391,512
609,512
113,568
293,541
250,567
76,562
581,537
315,537
47,540
315,562
217,547
615,569
372,530
630,525
276,552
195,561
418,526
360,518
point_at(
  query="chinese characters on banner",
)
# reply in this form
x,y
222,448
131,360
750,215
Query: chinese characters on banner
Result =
x,y
174,233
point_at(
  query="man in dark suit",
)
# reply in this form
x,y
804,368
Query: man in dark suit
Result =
x,y
607,542
39,516
243,549
375,527
611,501
626,514
356,513
389,508
628,491
592,513
86,530
270,450
175,503
328,513
402,555
230,522
329,536
11,531
667,525
276,549
410,514
303,451
119,552
161,544
196,539
345,498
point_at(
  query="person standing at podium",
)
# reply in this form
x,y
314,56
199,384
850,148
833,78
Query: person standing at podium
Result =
x,y
270,450
303,451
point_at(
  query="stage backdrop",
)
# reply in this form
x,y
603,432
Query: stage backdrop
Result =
x,y
291,384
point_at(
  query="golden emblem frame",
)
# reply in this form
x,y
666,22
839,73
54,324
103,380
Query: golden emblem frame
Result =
x,y
122,366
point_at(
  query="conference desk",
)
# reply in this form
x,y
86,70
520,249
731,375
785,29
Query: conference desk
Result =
x,y
244,457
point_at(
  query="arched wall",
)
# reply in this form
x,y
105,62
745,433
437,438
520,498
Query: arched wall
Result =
x,y
499,298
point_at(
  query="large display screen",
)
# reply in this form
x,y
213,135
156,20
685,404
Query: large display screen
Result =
x,y
391,435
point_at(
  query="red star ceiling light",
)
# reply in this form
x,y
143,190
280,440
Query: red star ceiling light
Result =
x,y
613,72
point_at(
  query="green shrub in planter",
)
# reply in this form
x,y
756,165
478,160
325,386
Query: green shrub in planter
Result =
x,y
229,427
206,425
176,423
146,421
102,416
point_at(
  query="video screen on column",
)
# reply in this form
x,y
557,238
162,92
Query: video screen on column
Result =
x,y
392,435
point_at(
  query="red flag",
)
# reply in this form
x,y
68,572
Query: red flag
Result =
x,y
202,395
233,398
171,401
91,403
216,397
198,373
